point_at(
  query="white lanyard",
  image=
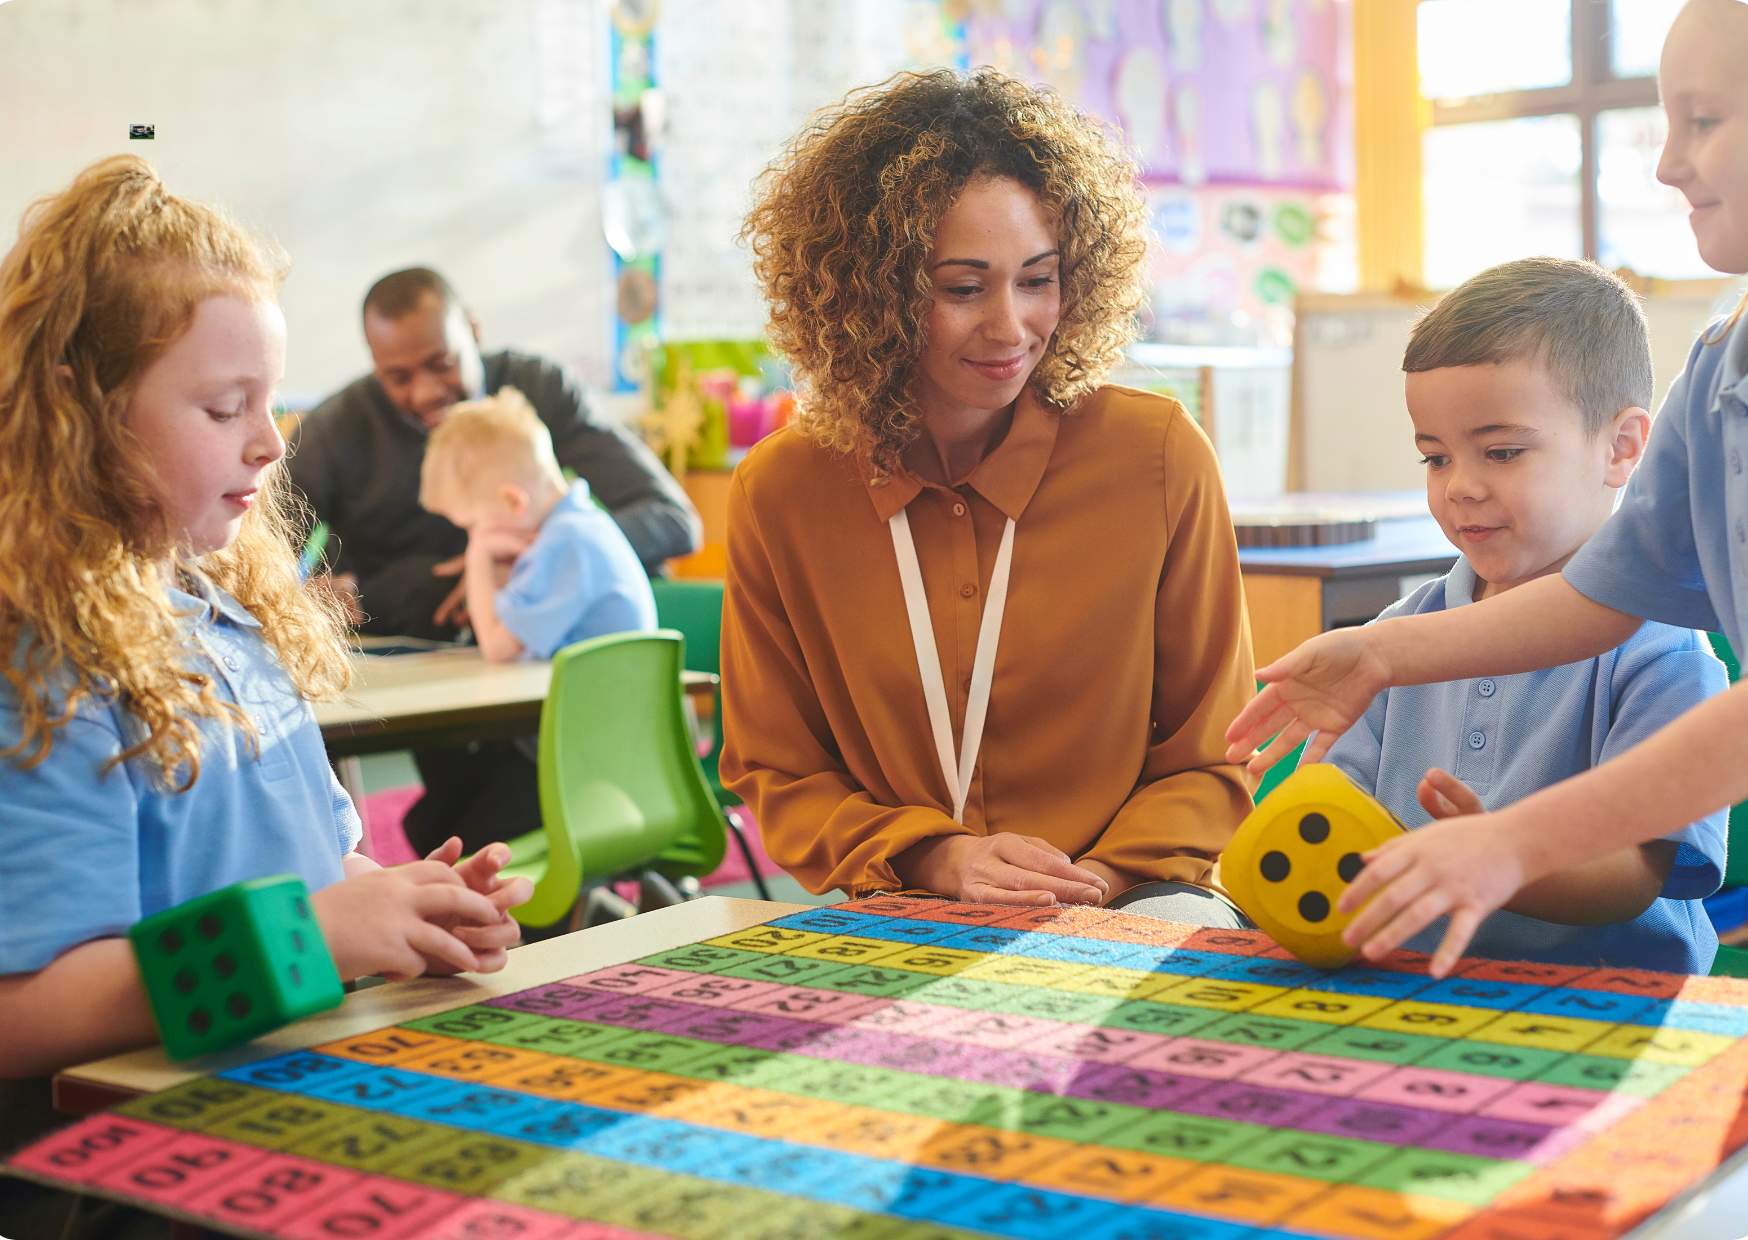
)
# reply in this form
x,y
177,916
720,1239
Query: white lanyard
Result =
x,y
928,659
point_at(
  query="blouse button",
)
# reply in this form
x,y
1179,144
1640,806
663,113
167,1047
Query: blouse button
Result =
x,y
1477,740
959,509
1735,461
230,663
967,591
1486,688
1741,531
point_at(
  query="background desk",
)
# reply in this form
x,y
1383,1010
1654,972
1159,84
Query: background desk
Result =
x,y
1295,593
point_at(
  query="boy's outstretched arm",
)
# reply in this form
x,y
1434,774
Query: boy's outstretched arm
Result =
x,y
1326,683
1467,867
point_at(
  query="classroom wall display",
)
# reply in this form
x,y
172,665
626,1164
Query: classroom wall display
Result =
x,y
1239,112
895,1067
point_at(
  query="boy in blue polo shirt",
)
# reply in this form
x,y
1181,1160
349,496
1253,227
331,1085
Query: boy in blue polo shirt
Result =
x,y
1527,387
544,567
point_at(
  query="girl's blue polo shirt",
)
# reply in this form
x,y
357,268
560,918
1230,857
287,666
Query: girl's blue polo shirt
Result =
x,y
1509,736
1677,548
86,852
579,578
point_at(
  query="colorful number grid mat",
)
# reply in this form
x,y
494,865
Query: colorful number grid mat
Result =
x,y
899,1068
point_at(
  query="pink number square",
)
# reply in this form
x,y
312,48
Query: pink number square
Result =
x,y
807,1003
1319,1074
995,1029
1098,1045
276,1189
498,1220
897,1016
376,1206
1432,1090
714,991
1220,1061
1536,1103
83,1151
176,1170
631,979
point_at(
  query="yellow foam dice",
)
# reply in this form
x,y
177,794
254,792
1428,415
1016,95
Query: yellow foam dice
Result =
x,y
1292,858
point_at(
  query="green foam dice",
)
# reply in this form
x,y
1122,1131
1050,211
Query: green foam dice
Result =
x,y
234,963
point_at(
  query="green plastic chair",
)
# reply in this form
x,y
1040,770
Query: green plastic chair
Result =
x,y
621,791
694,607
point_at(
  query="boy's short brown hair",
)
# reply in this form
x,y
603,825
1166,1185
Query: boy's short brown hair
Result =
x,y
483,444
1580,322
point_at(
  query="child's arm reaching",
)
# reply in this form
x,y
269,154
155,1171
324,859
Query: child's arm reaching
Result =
x,y
1468,866
89,1001
1327,682
1617,886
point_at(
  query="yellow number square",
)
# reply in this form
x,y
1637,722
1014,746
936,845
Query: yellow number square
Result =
x,y
1689,1047
768,939
1540,1032
1217,993
1324,1005
1439,1020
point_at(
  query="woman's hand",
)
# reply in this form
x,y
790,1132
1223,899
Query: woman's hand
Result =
x,y
1323,686
1466,866
403,921
479,872
1004,868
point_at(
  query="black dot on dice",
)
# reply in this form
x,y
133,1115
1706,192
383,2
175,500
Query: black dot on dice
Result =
x,y
171,940
210,925
295,973
186,981
297,941
1275,866
1313,906
224,964
301,907
238,1005
1349,867
1313,828
200,1020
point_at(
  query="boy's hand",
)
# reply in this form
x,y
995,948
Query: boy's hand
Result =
x,y
1466,867
453,608
498,542
397,922
1324,686
1443,795
479,872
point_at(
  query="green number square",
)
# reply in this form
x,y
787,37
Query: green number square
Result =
x,y
1645,1077
1311,1155
700,958
196,1104
478,1022
962,992
1075,1119
1516,1063
1353,1042
784,970
1046,1004
651,1052
1187,1136
865,979
1438,1173
558,1036
1166,1018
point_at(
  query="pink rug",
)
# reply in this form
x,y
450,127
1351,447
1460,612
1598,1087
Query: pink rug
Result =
x,y
386,843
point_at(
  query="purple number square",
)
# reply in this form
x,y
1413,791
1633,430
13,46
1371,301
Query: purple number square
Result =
x,y
1255,1104
1139,1087
1489,1138
1375,1121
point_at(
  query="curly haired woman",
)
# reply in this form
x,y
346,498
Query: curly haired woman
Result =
x,y
983,624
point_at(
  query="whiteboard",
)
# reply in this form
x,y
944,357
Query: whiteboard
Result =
x,y
1350,428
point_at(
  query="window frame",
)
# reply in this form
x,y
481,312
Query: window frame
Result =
x,y
1594,89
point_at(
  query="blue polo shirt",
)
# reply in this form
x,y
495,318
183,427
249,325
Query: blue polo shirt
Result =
x,y
579,578
1677,548
86,851
1509,736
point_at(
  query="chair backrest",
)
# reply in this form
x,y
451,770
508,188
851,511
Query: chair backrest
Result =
x,y
620,788
694,607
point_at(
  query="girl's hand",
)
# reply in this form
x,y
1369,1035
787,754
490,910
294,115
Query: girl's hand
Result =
x,y
1324,686
1003,868
1466,866
479,872
400,922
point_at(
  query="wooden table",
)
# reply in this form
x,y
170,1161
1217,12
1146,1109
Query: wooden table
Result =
x,y
442,697
105,1082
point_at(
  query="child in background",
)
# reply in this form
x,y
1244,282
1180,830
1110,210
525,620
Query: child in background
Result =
x,y
156,741
1527,386
545,567
1677,551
